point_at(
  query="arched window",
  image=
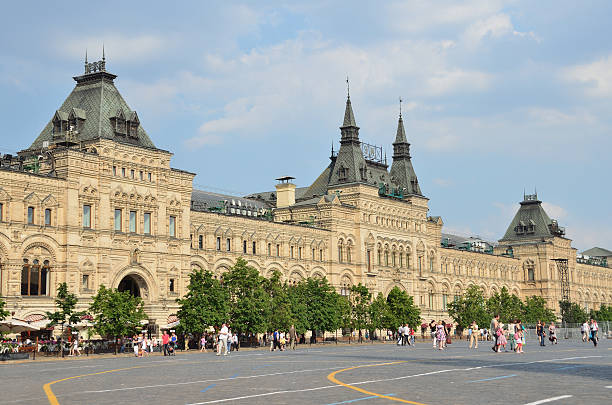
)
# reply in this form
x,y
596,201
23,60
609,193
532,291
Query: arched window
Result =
x,y
386,258
34,277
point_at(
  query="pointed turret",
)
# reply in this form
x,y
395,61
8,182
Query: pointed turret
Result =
x,y
402,172
349,117
349,129
350,165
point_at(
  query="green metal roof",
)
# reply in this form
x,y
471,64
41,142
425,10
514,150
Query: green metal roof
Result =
x,y
94,101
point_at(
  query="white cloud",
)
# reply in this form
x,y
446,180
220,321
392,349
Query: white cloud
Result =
x,y
443,182
554,211
554,117
595,76
119,47
492,26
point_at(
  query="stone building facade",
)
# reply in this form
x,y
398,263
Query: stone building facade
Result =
x,y
93,202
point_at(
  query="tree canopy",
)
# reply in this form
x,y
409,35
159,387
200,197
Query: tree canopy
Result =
x,y
509,307
470,307
116,313
248,297
65,304
205,304
402,309
3,312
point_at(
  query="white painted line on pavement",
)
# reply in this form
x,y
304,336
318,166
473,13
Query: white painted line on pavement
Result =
x,y
212,380
543,401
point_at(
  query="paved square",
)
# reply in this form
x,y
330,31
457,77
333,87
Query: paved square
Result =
x,y
567,373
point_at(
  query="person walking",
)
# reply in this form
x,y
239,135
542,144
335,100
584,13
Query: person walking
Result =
x,y
222,346
518,337
400,336
594,328
135,345
165,341
474,332
552,334
292,337
511,332
585,330
541,332
432,330
493,328
440,335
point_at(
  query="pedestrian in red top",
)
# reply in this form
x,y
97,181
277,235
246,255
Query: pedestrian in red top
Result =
x,y
165,341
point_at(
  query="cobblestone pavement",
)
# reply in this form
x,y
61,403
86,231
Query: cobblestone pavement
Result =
x,y
567,373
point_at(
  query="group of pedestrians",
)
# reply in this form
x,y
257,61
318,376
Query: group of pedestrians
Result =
x,y
405,335
589,331
440,334
279,339
541,332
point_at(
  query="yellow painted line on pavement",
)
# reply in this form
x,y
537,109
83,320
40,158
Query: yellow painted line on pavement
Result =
x,y
53,399
332,377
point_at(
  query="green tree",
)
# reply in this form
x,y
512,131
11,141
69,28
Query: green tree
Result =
x,y
403,310
469,307
380,315
572,312
65,304
324,308
535,309
3,312
360,298
249,300
279,313
116,313
205,304
299,310
604,313
509,307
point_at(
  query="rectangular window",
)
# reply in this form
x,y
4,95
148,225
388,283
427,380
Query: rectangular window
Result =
x,y
313,254
85,281
86,216
1,212
369,260
172,226
348,254
30,215
141,175
321,255
291,252
218,243
431,300
244,246
48,216
201,242
149,176
147,223
339,254
133,221
114,170
132,174
401,260
299,253
254,248
171,285
444,301
117,220
228,244
269,249
123,171
277,250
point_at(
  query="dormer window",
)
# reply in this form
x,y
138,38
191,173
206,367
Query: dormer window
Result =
x,y
132,125
119,123
342,173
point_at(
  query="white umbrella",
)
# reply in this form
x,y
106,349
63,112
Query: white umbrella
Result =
x,y
83,324
16,326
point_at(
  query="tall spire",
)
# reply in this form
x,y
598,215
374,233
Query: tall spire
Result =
x,y
103,53
349,117
400,136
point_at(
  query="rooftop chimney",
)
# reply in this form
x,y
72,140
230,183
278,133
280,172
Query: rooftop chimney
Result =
x,y
285,192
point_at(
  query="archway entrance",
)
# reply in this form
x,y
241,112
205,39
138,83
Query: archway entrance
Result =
x,y
130,284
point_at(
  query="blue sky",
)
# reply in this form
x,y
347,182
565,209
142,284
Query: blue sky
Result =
x,y
499,96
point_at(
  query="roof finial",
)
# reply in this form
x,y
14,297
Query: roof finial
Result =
x,y
103,54
400,102
348,87
85,55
